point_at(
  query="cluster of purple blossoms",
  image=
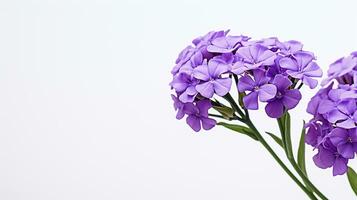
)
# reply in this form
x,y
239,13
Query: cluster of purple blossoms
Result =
x,y
332,131
265,70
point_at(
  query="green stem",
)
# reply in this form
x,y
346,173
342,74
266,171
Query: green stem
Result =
x,y
233,103
306,179
278,160
288,151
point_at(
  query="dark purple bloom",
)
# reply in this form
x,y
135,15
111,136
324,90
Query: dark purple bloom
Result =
x,y
253,57
259,87
211,80
285,98
198,115
302,67
328,156
345,141
226,44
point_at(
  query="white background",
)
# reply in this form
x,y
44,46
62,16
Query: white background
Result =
x,y
85,108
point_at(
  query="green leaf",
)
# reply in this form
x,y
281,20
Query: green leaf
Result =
x,y
287,133
240,129
276,139
301,151
225,111
301,154
352,178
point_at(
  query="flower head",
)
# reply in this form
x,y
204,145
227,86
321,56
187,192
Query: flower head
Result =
x,y
332,130
301,66
265,70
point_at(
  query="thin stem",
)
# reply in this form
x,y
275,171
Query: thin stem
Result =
x,y
214,115
278,160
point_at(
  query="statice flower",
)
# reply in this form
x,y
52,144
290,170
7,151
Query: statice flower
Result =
x,y
334,108
265,70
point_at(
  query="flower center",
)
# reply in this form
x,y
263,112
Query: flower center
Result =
x,y
279,95
256,88
349,139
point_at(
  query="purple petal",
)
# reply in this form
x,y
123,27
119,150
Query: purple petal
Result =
x,y
325,106
313,70
274,109
244,52
208,123
251,101
203,107
311,136
245,83
194,122
217,67
338,136
260,77
222,86
267,92
324,158
238,68
346,150
288,63
348,123
312,83
340,166
291,98
303,59
206,89
281,82
201,73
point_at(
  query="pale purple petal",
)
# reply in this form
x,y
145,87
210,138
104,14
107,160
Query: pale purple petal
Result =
x,y
206,89
288,63
222,86
267,92
201,72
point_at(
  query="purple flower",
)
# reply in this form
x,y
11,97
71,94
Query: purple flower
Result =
x,y
340,68
290,47
226,44
328,156
258,87
335,117
211,80
185,84
345,141
302,67
198,115
285,98
179,107
314,103
253,57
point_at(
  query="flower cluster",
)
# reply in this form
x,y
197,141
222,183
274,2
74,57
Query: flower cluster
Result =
x,y
265,70
333,128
